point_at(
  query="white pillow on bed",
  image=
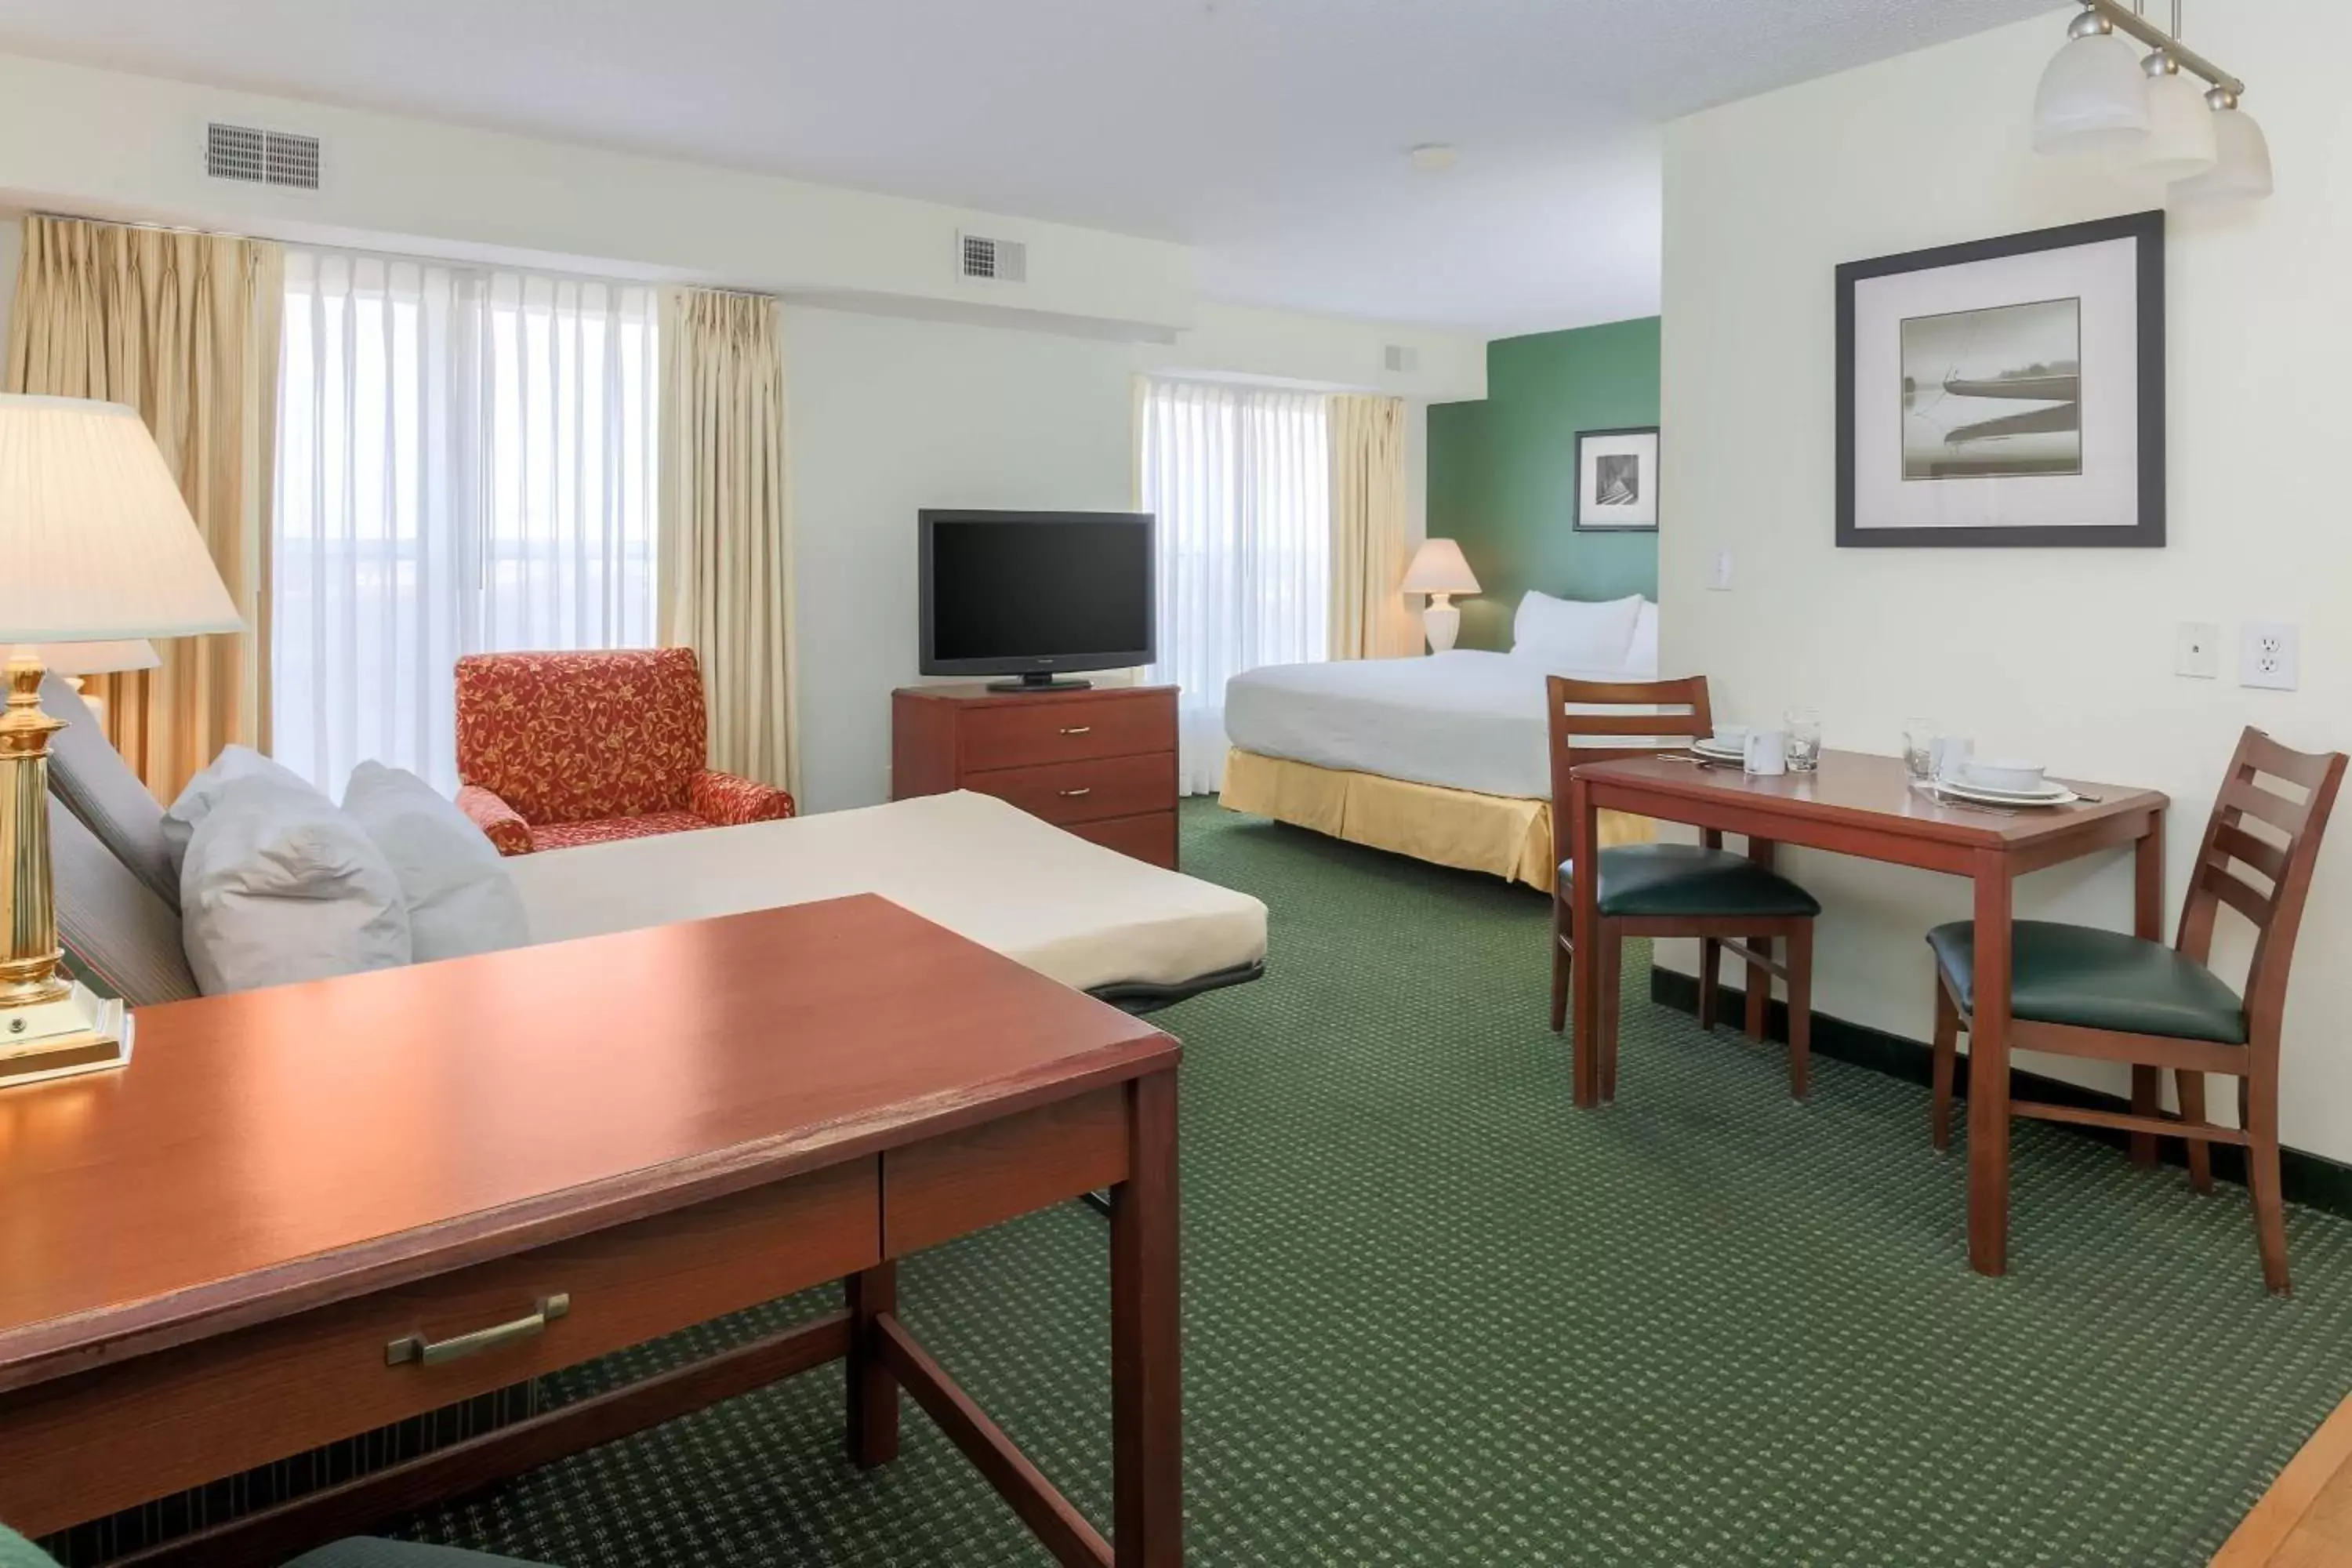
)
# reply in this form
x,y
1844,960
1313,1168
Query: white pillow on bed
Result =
x,y
1642,655
460,898
203,792
1575,633
278,886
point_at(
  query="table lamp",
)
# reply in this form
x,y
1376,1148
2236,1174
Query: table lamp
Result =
x,y
96,545
70,661
1439,570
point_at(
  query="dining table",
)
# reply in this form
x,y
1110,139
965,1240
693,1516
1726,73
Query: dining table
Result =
x,y
1871,807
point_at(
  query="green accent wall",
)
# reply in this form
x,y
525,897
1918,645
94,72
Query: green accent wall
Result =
x,y
1502,472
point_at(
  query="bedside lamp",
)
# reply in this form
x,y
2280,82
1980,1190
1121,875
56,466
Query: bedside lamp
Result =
x,y
96,546
1439,570
70,661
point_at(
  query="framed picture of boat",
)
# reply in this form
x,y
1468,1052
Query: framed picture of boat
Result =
x,y
1617,480
2005,392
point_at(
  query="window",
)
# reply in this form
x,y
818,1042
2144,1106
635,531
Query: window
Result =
x,y
1241,481
466,463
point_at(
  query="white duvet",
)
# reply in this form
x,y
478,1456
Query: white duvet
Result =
x,y
1086,916
1463,719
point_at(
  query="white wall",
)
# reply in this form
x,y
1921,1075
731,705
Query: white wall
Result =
x,y
12,250
2064,654
888,416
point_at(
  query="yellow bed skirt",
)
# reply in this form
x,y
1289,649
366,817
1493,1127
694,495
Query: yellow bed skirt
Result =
x,y
1505,835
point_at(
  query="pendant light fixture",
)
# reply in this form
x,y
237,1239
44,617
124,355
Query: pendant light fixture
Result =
x,y
2092,99
2180,141
2242,170
2174,114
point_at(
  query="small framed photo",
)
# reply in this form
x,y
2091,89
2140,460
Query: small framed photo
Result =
x,y
1617,480
2005,392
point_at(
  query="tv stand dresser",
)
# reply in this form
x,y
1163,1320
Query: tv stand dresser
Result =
x,y
1100,762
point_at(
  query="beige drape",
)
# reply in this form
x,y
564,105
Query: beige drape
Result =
x,y
1369,619
726,539
184,328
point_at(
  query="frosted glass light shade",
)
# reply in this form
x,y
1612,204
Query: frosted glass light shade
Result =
x,y
2181,136
2092,99
98,657
95,542
2242,172
1438,567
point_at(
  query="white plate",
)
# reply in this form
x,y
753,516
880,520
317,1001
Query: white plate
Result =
x,y
2060,795
2050,789
1715,753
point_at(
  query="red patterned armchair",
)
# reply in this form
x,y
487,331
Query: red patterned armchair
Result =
x,y
560,749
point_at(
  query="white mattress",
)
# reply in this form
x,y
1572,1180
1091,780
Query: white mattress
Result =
x,y
1085,915
1463,719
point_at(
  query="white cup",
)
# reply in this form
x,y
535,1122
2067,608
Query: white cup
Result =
x,y
1766,753
1952,754
1730,737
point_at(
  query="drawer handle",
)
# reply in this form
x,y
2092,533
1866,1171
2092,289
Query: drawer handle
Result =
x,y
1077,794
433,1352
1078,729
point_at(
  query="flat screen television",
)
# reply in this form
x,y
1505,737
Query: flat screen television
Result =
x,y
1036,595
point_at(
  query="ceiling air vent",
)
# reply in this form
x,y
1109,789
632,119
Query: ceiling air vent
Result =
x,y
993,260
261,157
1404,358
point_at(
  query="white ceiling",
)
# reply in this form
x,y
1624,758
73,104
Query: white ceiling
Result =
x,y
1269,134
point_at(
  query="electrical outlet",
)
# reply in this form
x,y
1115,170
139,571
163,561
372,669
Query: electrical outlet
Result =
x,y
1718,572
2197,651
2270,654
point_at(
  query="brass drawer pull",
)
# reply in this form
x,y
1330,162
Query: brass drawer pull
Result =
x,y
1077,794
1078,729
433,1353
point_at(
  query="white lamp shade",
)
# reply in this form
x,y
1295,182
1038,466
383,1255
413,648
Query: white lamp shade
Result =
x,y
98,657
2092,99
2181,136
1438,568
96,543
2242,172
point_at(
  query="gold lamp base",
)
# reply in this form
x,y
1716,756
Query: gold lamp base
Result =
x,y
83,1031
51,1025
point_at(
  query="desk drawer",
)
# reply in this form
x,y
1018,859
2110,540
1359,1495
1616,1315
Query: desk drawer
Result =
x,y
1086,792
951,1186
1150,838
157,1423
1068,730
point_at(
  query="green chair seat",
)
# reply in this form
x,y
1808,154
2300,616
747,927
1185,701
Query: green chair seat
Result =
x,y
2097,980
1687,880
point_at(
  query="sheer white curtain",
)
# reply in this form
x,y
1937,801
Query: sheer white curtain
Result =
x,y
1241,481
467,463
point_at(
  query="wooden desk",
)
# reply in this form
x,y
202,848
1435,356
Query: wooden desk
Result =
x,y
264,1234
1866,806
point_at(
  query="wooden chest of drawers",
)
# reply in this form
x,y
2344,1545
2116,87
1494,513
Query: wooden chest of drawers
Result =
x,y
1101,762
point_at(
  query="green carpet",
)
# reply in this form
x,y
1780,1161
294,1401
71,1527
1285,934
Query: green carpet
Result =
x,y
1436,1315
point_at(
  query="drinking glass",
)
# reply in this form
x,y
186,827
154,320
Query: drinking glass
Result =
x,y
1803,728
1919,748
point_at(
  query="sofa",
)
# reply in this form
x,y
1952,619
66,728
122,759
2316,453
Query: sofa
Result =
x,y
557,749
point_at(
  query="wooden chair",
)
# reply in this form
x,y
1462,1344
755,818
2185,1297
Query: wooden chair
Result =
x,y
2080,992
1703,890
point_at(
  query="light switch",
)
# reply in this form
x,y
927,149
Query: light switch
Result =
x,y
1718,572
2270,654
2197,651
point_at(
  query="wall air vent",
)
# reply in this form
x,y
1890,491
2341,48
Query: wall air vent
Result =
x,y
1404,358
992,261
261,157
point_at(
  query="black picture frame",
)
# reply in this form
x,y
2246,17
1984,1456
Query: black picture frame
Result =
x,y
1577,520
2146,229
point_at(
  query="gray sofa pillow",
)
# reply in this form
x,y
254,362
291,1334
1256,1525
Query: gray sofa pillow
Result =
x,y
98,786
120,939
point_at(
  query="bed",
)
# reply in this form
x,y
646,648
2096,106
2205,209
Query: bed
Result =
x,y
1131,933
1091,917
1445,758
